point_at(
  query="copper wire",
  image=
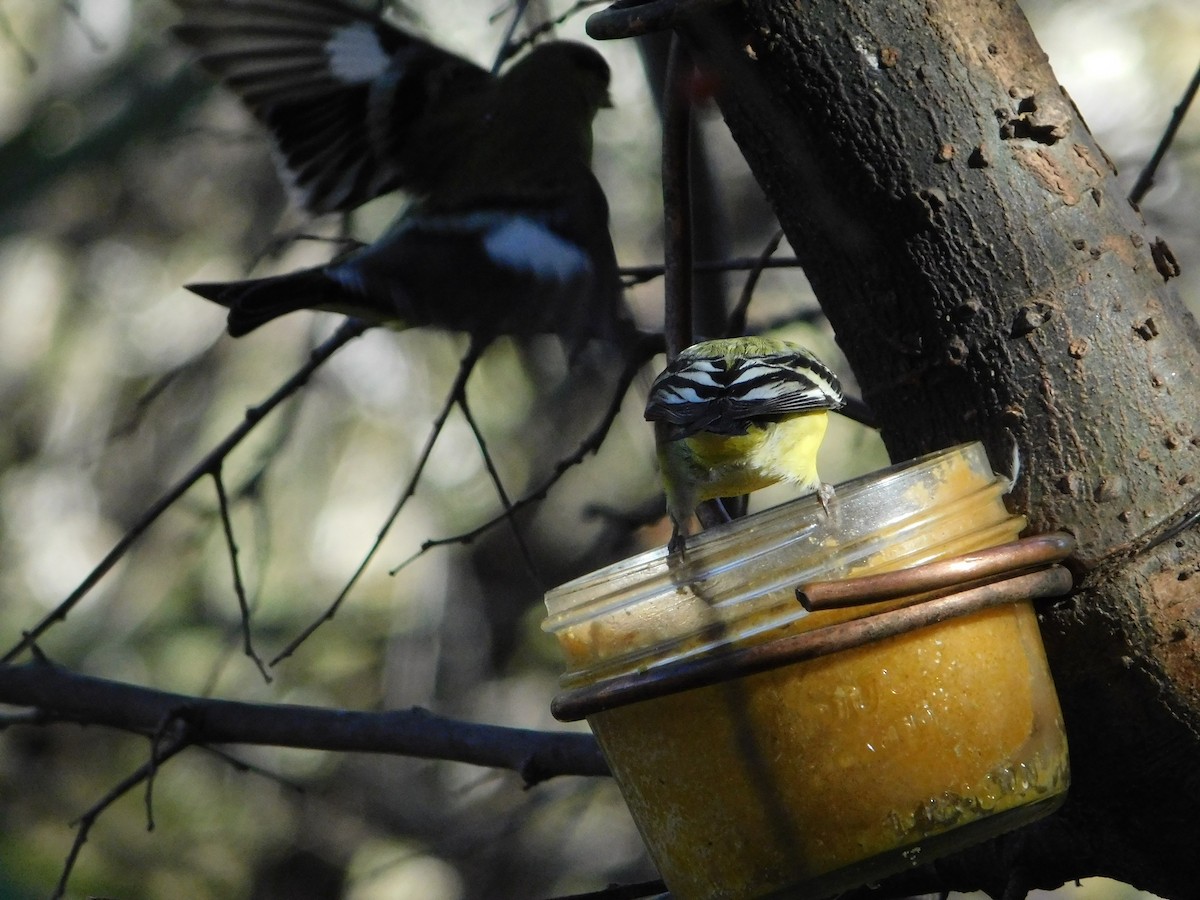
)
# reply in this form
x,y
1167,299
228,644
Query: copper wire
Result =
x,y
956,572
923,610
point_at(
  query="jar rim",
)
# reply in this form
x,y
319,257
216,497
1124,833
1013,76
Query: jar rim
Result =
x,y
737,581
892,479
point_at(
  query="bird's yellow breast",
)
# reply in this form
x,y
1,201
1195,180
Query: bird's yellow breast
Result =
x,y
728,465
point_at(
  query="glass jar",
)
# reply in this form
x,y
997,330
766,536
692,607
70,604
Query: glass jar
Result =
x,y
833,772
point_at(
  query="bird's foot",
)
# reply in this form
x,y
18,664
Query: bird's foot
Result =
x,y
828,500
678,542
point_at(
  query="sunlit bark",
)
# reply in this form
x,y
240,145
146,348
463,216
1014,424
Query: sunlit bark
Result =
x,y
987,279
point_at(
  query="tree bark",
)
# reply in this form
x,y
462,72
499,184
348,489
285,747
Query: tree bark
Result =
x,y
987,280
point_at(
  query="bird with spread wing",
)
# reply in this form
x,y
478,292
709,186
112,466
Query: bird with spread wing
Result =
x,y
507,230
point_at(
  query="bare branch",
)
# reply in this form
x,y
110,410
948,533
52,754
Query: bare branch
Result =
x,y
640,353
351,329
238,587
162,748
69,696
548,26
737,318
240,765
490,464
634,275
507,46
143,403
474,351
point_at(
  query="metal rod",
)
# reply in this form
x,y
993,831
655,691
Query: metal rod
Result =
x,y
956,572
634,18
578,703
677,201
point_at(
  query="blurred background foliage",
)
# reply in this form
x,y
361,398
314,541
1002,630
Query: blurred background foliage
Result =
x,y
123,175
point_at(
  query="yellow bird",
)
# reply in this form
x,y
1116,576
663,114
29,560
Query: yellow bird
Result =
x,y
735,415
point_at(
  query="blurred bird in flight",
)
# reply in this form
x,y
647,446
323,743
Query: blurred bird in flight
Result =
x,y
507,229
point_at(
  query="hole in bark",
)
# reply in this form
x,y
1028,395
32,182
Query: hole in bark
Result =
x,y
1027,125
956,351
1027,130
1164,260
1147,330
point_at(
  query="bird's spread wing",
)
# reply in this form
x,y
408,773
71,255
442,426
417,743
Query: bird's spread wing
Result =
x,y
723,386
356,106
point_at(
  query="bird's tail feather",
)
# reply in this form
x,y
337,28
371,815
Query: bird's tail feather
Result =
x,y
259,300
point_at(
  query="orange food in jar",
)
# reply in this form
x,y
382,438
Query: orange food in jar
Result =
x,y
833,772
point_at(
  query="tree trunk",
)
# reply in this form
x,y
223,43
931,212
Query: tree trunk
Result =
x,y
987,280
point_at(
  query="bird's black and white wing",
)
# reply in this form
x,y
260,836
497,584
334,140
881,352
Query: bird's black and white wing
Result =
x,y
356,106
722,386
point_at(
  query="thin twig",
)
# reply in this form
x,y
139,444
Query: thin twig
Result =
x,y
277,243
239,586
550,24
142,405
268,452
251,490
240,765
677,204
351,329
635,275
1145,180
490,464
737,318
465,368
507,48
639,354
805,316
160,752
